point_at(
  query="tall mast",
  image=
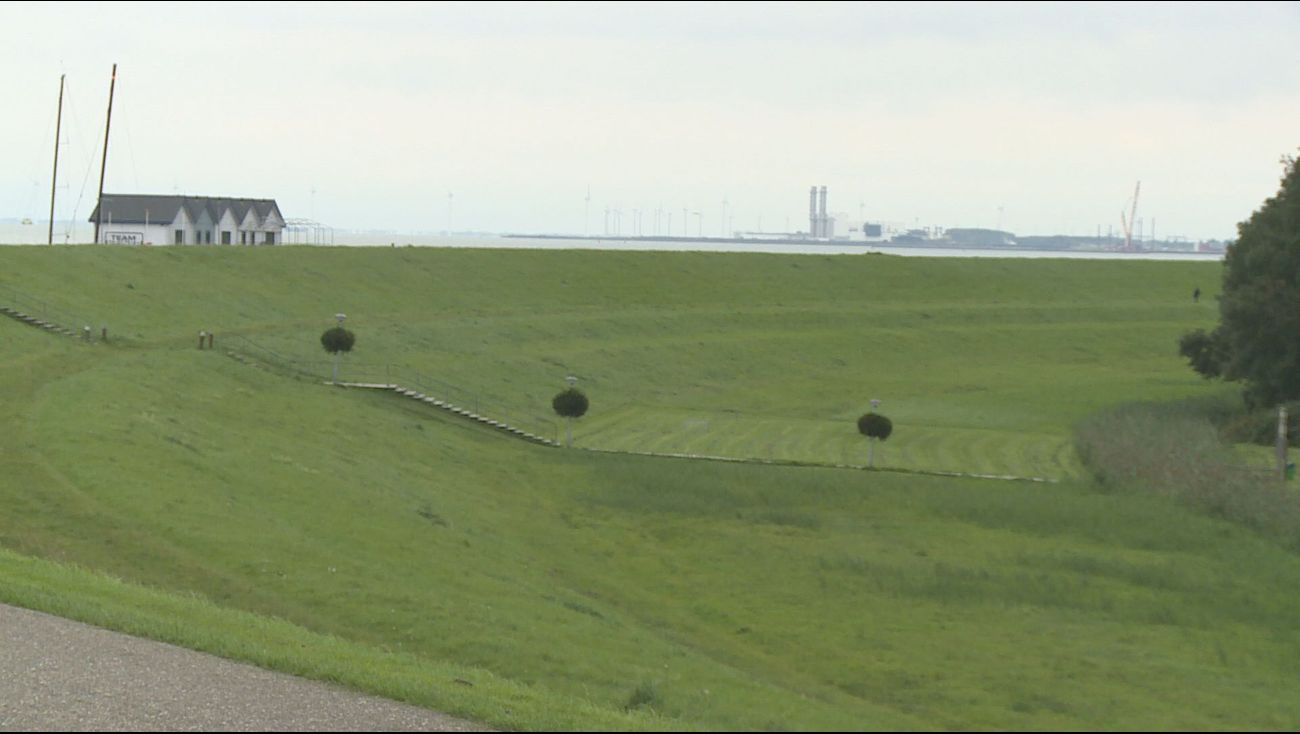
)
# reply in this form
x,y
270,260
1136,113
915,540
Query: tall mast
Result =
x,y
103,165
1132,219
54,180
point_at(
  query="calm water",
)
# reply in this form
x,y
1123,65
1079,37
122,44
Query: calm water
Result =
x,y
14,234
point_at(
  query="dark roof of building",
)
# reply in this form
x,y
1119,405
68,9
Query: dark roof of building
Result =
x,y
141,208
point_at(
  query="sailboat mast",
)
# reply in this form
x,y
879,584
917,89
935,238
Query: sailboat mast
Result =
x,y
54,180
104,163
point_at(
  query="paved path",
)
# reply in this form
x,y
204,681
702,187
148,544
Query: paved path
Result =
x,y
59,675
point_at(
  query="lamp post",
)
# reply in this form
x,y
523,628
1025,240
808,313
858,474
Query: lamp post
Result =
x,y
568,419
341,317
1281,443
871,442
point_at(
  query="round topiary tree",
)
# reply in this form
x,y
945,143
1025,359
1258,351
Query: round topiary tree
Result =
x,y
877,428
570,404
336,341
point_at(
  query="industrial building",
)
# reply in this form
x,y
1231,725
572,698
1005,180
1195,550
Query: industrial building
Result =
x,y
821,226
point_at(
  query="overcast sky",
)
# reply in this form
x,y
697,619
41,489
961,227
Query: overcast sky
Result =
x,y
1040,118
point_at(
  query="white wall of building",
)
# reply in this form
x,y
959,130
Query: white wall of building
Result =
x,y
135,234
251,230
227,229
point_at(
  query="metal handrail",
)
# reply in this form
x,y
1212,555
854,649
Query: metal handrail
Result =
x,y
314,368
41,309
473,402
390,374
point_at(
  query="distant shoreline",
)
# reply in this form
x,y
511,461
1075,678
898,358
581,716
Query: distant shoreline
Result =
x,y
866,245
706,244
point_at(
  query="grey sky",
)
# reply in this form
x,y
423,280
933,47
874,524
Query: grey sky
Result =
x,y
1041,117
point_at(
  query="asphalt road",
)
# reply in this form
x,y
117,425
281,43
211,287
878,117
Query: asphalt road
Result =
x,y
59,675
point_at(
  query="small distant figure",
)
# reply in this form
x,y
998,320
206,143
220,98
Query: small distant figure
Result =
x,y
1196,295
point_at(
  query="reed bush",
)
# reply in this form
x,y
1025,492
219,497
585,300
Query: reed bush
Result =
x,y
1176,450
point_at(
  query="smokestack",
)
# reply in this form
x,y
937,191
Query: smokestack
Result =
x,y
812,212
822,220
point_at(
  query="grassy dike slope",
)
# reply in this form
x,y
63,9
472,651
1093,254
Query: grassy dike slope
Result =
x,y
403,549
985,363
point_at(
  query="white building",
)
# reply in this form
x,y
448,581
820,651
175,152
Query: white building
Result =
x,y
141,219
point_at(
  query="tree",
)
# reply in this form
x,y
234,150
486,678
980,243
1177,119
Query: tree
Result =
x,y
1257,341
1204,352
335,341
570,404
877,428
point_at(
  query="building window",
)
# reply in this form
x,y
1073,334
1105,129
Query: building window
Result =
x,y
270,238
180,237
225,237
243,238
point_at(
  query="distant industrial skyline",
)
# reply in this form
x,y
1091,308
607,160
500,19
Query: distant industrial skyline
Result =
x,y
1037,119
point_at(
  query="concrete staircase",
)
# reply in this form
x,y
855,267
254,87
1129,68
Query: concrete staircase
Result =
x,y
33,321
268,359
453,409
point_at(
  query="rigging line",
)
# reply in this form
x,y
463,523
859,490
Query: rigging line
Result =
x,y
90,165
37,154
130,141
130,147
67,154
70,125
71,220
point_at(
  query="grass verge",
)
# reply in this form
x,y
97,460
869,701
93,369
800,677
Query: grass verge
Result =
x,y
192,622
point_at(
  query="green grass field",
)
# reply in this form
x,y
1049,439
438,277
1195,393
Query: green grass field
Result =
x,y
983,365
359,537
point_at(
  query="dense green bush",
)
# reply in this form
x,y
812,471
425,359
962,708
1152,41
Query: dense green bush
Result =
x,y
877,428
1204,352
874,425
337,339
570,403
